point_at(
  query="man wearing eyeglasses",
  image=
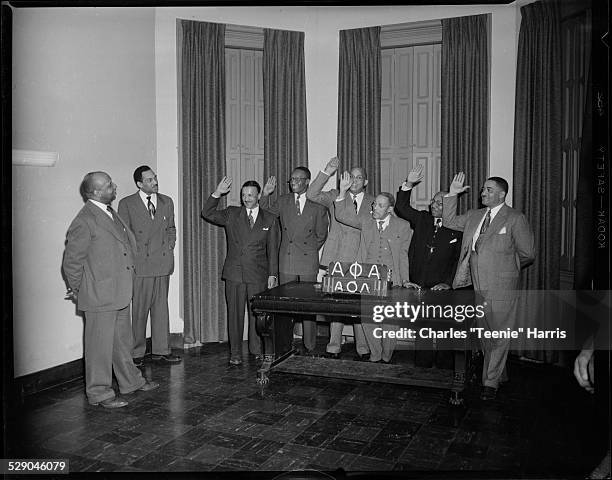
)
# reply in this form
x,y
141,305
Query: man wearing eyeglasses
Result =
x,y
384,239
343,241
434,252
303,231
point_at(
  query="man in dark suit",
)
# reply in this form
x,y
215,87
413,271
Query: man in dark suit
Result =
x,y
303,231
99,267
434,251
497,243
150,216
251,263
385,239
342,242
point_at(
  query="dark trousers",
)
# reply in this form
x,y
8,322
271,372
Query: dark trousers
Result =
x,y
309,325
237,295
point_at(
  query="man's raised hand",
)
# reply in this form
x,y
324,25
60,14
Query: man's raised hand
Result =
x,y
224,186
270,186
332,166
414,176
345,182
456,186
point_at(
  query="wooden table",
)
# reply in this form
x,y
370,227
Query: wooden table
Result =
x,y
274,308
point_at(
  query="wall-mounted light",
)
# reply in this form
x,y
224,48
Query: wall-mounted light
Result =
x,y
34,158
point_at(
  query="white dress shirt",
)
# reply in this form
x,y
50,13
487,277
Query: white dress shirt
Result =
x,y
255,212
144,196
102,206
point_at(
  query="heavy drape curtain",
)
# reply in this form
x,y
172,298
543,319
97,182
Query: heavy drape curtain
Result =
x,y
284,85
538,160
465,104
201,68
537,139
359,91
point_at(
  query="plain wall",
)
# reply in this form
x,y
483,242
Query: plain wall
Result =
x,y
83,86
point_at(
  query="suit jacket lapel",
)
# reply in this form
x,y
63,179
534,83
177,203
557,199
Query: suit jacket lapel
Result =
x,y
107,223
497,222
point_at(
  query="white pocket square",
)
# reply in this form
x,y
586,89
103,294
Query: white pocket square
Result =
x,y
502,231
266,228
453,240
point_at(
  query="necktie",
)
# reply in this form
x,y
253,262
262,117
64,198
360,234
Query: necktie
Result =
x,y
355,203
251,219
297,204
110,210
151,207
437,225
483,229
380,225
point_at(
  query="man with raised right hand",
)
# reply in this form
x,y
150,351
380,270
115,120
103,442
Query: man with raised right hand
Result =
x,y
497,243
342,241
251,264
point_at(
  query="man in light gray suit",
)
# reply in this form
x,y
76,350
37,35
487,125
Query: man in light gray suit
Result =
x,y
150,216
99,267
385,239
343,240
497,243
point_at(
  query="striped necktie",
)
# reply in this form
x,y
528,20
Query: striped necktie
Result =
x,y
151,207
483,229
251,219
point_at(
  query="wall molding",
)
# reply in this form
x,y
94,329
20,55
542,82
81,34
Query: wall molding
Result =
x,y
413,33
242,36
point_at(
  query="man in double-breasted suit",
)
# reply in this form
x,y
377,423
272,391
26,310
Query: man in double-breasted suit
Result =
x,y
434,251
303,226
497,243
342,241
251,264
150,216
99,266
384,239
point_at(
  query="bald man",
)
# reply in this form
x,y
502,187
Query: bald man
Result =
x,y
99,268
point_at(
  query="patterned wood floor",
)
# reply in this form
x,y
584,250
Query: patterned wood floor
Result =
x,y
209,416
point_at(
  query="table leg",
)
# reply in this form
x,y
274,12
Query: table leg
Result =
x,y
264,326
456,396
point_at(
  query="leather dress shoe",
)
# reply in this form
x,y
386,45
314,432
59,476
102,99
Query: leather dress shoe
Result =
x,y
488,393
111,403
235,361
147,387
335,356
139,361
170,358
388,362
302,350
362,357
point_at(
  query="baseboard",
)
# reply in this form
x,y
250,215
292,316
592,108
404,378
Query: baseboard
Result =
x,y
67,372
49,378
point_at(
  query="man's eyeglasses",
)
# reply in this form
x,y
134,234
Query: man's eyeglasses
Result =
x,y
357,177
298,179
